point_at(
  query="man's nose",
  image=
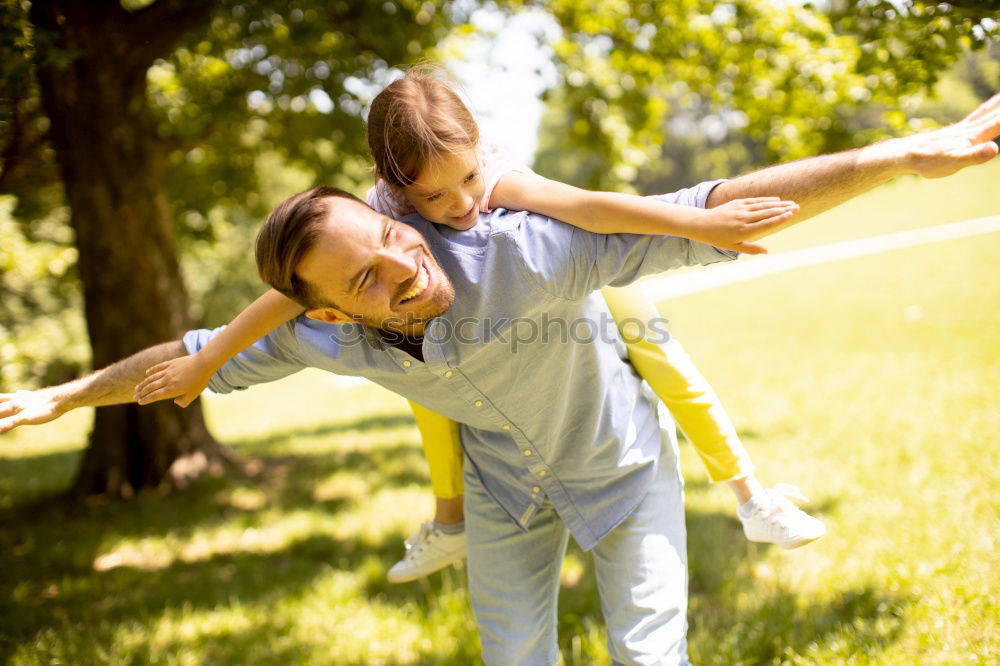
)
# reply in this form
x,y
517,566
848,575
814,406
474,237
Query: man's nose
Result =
x,y
398,264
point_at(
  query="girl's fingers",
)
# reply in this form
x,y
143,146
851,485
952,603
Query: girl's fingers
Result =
x,y
774,220
764,216
156,368
152,397
750,248
764,205
149,388
154,380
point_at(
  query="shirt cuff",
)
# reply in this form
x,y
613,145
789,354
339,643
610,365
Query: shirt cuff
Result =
x,y
193,341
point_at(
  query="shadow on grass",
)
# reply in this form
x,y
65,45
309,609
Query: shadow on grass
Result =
x,y
56,589
53,597
26,479
93,606
54,602
262,445
724,630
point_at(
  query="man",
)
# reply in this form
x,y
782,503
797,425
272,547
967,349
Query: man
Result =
x,y
559,438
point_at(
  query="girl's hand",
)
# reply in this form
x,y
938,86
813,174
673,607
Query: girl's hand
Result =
x,y
734,224
185,377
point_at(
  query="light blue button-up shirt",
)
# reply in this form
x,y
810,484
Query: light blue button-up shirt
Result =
x,y
527,359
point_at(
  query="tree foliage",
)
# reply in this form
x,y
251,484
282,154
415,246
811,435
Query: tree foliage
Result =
x,y
269,96
125,111
268,99
264,98
700,89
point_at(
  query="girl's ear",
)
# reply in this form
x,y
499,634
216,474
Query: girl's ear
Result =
x,y
330,316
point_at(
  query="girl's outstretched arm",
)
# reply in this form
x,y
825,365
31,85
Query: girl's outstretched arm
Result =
x,y
731,226
186,377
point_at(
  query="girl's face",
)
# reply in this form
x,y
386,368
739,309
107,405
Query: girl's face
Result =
x,y
449,190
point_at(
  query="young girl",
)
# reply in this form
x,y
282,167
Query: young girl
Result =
x,y
430,160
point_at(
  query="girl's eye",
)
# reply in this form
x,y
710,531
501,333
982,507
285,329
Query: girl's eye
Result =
x,y
471,177
434,197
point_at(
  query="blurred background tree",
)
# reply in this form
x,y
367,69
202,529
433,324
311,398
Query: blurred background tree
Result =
x,y
658,95
142,141
148,126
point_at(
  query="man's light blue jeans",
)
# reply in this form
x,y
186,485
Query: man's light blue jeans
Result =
x,y
641,569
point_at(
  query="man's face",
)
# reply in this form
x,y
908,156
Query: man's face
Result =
x,y
375,270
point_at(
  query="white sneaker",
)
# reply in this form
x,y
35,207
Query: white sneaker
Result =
x,y
426,552
769,517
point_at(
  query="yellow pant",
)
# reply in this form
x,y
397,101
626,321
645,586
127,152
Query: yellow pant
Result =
x,y
667,369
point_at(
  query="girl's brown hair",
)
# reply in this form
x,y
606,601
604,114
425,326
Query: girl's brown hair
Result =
x,y
414,120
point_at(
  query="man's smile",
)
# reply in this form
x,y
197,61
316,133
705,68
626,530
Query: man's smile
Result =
x,y
418,286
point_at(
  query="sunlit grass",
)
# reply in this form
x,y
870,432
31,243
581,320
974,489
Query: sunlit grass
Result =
x,y
871,383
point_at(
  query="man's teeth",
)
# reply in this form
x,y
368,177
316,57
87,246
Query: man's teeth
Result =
x,y
418,285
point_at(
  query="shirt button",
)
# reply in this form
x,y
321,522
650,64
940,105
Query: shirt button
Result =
x,y
506,426
536,489
478,403
406,364
541,472
527,452
448,374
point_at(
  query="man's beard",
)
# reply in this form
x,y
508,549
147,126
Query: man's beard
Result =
x,y
411,323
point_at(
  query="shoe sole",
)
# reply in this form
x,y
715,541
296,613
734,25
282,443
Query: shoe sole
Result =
x,y
396,580
801,542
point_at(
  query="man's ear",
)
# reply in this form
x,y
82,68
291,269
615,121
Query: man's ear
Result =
x,y
330,316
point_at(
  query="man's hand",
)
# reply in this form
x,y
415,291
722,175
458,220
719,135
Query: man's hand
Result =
x,y
942,152
113,385
28,408
818,184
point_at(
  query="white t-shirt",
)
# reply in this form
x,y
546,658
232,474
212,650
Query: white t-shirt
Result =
x,y
493,160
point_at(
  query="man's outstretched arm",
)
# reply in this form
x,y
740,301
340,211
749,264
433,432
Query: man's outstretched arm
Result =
x,y
820,183
112,385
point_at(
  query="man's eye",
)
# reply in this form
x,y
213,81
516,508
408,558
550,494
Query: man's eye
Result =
x,y
367,279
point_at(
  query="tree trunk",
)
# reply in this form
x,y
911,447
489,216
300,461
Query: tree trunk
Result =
x,y
112,164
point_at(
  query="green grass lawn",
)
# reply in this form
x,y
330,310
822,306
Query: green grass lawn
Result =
x,y
871,383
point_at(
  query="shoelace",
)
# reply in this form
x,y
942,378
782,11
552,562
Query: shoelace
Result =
x,y
791,492
419,537
777,499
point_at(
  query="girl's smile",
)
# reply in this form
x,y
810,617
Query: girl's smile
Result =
x,y
449,190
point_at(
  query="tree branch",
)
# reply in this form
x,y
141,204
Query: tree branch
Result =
x,y
155,29
22,152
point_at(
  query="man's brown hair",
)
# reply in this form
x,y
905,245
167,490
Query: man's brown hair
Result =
x,y
414,120
288,233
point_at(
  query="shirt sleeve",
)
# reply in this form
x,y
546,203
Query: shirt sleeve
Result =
x,y
386,202
269,359
495,163
569,262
